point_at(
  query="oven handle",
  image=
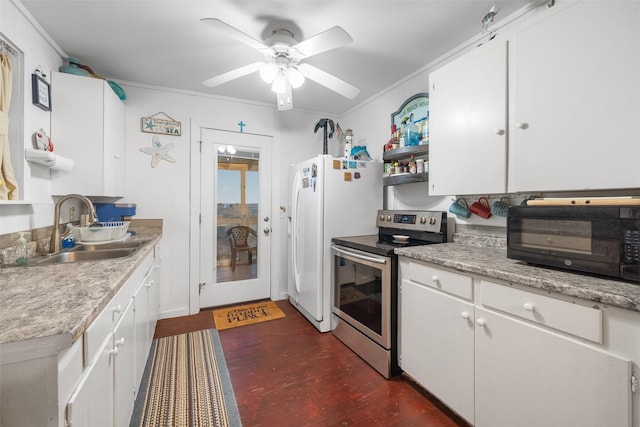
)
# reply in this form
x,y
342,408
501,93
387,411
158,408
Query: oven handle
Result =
x,y
377,260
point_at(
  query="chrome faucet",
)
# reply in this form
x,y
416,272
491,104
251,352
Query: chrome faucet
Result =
x,y
54,244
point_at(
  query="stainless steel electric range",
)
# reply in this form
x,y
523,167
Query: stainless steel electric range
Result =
x,y
365,283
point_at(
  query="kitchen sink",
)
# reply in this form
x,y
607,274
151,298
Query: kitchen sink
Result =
x,y
87,252
127,244
77,256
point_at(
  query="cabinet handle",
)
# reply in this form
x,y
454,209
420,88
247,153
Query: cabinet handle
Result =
x,y
114,351
435,279
149,284
528,306
119,342
522,125
499,131
465,315
117,309
481,322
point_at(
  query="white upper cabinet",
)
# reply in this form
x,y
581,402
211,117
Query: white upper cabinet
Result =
x,y
468,119
575,99
87,125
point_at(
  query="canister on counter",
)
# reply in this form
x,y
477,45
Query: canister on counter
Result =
x,y
420,166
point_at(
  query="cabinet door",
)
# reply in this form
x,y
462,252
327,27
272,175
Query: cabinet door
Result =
x,y
527,376
436,345
154,298
77,128
124,368
114,144
87,125
576,99
146,303
468,118
91,404
141,304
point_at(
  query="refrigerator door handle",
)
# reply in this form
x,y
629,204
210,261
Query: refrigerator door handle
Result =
x,y
294,233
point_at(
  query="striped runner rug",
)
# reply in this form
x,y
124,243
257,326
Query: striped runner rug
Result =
x,y
186,383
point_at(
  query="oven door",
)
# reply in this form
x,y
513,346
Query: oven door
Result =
x,y
362,292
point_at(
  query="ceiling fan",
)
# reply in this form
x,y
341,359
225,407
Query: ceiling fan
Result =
x,y
282,67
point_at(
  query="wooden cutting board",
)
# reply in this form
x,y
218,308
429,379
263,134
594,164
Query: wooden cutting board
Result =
x,y
585,201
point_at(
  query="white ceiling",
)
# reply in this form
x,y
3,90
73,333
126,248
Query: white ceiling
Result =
x,y
163,43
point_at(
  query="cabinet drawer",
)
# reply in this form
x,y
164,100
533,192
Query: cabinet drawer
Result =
x,y
109,316
446,281
584,322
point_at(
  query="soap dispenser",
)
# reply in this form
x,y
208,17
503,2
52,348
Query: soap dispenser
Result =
x,y
22,250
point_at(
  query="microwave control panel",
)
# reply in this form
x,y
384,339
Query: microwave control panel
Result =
x,y
631,246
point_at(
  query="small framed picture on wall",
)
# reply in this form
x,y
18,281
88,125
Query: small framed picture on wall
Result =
x,y
41,92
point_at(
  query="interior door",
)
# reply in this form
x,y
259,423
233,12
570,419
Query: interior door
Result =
x,y
235,228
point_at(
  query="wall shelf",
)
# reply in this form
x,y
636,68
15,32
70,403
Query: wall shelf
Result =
x,y
405,178
406,152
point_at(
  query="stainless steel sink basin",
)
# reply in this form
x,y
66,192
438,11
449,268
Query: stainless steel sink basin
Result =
x,y
77,256
127,244
87,253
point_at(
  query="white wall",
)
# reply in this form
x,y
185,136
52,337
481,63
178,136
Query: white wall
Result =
x,y
38,53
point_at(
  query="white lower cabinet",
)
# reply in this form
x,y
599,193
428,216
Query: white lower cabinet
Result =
x,y
436,345
529,376
146,305
124,355
91,404
106,393
501,357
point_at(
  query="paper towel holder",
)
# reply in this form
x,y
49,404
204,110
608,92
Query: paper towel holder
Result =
x,y
48,158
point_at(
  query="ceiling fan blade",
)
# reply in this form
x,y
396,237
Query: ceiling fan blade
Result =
x,y
328,80
330,39
237,34
233,74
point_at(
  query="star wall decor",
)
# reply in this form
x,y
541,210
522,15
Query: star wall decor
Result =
x,y
159,152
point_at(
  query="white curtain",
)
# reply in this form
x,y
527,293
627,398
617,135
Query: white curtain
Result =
x,y
8,185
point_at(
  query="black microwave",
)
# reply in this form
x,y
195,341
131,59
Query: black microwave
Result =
x,y
603,240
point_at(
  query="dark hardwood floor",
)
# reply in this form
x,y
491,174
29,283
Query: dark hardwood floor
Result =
x,y
285,373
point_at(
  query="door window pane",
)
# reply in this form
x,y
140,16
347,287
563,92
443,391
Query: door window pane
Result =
x,y
237,216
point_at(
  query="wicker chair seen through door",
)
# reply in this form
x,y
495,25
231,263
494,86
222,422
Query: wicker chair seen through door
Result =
x,y
239,242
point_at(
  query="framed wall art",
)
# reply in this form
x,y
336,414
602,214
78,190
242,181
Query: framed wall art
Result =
x,y
41,92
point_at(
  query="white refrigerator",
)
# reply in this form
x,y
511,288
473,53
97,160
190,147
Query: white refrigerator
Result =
x,y
329,197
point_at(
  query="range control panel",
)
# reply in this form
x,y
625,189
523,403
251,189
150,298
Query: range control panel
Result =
x,y
429,221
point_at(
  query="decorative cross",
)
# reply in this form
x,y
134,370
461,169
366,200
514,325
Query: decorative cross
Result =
x,y
242,125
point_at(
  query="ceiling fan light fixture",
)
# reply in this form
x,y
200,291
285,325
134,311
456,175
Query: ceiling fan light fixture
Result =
x,y
268,72
285,99
227,149
295,77
279,84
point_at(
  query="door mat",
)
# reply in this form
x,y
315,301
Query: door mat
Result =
x,y
248,314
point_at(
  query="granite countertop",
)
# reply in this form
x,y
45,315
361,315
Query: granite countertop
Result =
x,y
58,302
493,263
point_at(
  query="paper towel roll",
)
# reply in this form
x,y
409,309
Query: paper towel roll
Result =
x,y
62,164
